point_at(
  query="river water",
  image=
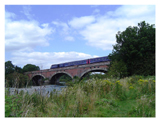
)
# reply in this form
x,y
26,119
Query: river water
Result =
x,y
43,90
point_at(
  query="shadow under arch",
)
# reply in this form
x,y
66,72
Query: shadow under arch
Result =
x,y
38,79
92,70
54,79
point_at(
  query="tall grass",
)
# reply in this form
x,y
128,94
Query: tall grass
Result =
x,y
129,97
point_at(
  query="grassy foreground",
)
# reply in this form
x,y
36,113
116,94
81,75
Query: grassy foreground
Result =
x,y
129,97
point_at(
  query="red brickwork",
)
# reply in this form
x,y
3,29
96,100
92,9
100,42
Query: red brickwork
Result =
x,y
71,71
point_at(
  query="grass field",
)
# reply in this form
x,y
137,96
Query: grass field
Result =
x,y
129,97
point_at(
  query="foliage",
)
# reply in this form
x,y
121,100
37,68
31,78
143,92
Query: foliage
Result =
x,y
18,69
9,67
117,69
30,67
97,75
13,105
145,107
17,80
65,78
136,48
128,97
14,76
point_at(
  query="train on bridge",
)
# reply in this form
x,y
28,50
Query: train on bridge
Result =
x,y
81,62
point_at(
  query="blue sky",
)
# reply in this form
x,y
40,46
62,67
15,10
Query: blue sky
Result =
x,y
48,34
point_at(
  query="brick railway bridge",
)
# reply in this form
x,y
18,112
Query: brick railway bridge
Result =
x,y
78,70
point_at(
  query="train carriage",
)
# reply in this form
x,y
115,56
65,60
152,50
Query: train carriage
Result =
x,y
82,62
101,59
54,66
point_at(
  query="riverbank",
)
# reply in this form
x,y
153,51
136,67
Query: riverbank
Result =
x,y
129,97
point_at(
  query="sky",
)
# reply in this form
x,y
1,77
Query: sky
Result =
x,y
50,34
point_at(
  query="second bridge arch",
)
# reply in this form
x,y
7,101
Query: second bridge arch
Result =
x,y
57,77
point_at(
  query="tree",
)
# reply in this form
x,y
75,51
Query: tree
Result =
x,y
117,69
18,69
17,80
30,67
14,76
9,67
136,48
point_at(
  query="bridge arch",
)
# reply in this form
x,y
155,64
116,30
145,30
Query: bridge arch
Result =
x,y
55,77
93,70
38,79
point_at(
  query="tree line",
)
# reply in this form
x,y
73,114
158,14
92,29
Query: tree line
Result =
x,y
14,75
10,68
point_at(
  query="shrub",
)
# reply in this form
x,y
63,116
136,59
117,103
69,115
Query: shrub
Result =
x,y
117,69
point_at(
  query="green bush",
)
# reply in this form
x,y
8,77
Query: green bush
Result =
x,y
117,69
13,106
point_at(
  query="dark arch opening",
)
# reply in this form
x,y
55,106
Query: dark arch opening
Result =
x,y
60,79
38,80
86,75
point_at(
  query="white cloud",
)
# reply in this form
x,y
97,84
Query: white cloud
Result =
x,y
81,21
130,11
9,15
26,11
101,34
24,35
100,31
46,59
96,11
65,29
69,38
